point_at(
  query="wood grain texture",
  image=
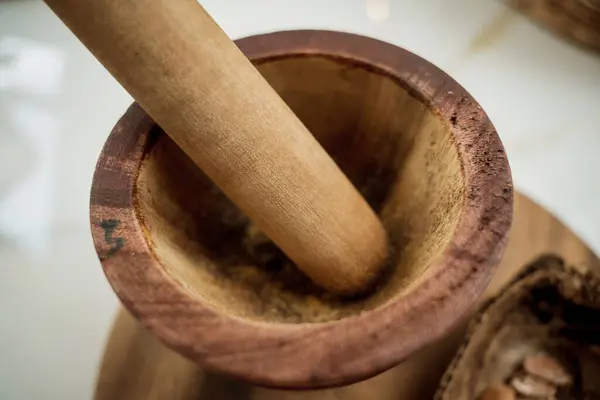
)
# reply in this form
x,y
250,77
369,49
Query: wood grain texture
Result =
x,y
201,89
137,366
576,20
190,267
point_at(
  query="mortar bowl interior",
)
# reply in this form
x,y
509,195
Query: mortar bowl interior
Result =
x,y
394,148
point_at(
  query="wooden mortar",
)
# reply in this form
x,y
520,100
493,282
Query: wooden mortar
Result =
x,y
206,282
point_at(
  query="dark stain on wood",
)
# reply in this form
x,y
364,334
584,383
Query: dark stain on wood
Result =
x,y
116,243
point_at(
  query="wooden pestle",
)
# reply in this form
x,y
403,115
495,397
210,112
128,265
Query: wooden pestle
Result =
x,y
195,83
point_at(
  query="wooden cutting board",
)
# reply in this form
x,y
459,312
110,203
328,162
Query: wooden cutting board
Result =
x,y
136,366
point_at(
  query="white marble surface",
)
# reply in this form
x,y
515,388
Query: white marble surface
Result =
x,y
57,106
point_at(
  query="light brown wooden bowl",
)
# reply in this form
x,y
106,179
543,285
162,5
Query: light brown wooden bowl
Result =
x,y
195,271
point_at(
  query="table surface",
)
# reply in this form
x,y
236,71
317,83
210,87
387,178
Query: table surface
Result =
x,y
137,366
58,104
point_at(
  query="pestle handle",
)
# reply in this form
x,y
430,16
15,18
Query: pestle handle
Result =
x,y
198,86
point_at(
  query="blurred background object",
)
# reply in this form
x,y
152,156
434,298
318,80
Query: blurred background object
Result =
x,y
577,20
58,105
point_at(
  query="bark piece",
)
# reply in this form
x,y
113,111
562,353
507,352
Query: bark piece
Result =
x,y
530,386
548,368
531,337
